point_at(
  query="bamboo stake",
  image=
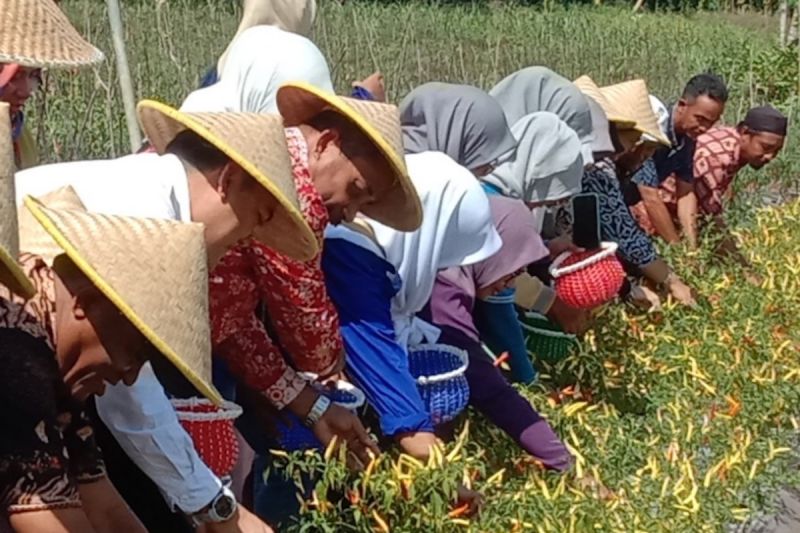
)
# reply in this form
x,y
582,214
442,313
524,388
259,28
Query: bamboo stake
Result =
x,y
124,74
784,19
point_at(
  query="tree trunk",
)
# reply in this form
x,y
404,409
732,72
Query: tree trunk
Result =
x,y
784,20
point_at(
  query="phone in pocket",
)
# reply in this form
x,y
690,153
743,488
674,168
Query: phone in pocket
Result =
x,y
586,221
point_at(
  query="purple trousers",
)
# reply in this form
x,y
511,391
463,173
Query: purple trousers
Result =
x,y
494,397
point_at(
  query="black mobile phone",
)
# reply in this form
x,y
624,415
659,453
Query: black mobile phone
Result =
x,y
586,221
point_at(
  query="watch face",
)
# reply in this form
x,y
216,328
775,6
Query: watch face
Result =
x,y
225,506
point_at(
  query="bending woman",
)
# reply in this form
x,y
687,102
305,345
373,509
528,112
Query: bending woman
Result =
x,y
451,308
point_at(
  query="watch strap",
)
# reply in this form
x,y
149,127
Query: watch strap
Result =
x,y
321,404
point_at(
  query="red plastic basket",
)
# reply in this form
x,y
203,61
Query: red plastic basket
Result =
x,y
211,429
588,279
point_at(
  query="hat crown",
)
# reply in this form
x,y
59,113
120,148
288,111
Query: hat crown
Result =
x,y
33,238
257,143
36,33
153,270
633,96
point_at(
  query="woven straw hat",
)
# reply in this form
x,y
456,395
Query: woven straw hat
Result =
x,y
11,275
634,96
618,116
33,238
154,270
36,33
257,143
400,208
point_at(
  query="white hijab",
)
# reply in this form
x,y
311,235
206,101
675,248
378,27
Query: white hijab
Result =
x,y
261,59
457,230
296,16
548,167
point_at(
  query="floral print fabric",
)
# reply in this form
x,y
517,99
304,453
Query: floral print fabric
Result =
x,y
298,308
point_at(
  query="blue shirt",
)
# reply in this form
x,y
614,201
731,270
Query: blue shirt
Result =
x,y
676,159
361,286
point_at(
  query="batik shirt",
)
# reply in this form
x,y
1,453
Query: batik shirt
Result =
x,y
48,444
716,162
616,221
299,310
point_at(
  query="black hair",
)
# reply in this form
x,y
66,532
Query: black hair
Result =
x,y
354,141
197,151
706,84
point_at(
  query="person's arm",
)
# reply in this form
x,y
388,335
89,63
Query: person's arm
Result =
x,y
660,274
106,509
659,214
498,325
305,320
532,294
687,211
375,360
145,425
52,521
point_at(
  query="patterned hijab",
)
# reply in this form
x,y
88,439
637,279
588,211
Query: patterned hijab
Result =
x,y
535,89
460,120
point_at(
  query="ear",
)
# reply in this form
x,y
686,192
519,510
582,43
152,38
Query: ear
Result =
x,y
225,179
327,138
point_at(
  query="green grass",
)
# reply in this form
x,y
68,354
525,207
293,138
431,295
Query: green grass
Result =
x,y
658,465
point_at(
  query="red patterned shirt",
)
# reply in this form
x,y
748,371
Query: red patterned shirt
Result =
x,y
716,162
297,303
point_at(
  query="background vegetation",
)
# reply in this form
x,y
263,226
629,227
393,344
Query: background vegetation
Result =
x,y
688,417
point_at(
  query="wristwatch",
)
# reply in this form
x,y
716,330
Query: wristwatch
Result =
x,y
321,404
221,509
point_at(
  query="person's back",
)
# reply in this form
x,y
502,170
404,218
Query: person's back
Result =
x,y
145,185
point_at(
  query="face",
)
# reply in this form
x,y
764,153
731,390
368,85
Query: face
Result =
x,y
497,287
694,117
20,87
96,344
630,160
347,184
759,148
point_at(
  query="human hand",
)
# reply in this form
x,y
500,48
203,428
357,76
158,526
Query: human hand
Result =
x,y
472,499
374,84
242,522
571,319
680,291
562,244
347,428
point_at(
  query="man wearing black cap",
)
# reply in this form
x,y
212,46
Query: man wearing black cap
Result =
x,y
721,152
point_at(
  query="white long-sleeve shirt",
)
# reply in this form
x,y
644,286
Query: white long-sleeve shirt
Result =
x,y
140,417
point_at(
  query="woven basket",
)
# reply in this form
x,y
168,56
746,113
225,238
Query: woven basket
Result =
x,y
294,435
211,429
588,279
439,371
545,340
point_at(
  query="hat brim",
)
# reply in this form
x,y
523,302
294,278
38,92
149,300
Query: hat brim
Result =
x,y
12,276
303,246
206,389
400,207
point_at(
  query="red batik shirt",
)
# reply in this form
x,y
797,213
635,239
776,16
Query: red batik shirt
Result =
x,y
716,162
305,320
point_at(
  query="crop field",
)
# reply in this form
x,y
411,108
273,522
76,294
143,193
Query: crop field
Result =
x,y
686,420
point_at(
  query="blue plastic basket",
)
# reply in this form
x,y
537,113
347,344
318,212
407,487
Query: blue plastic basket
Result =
x,y
439,371
293,435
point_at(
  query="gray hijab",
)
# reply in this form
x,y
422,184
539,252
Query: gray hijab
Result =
x,y
548,166
462,121
535,89
602,146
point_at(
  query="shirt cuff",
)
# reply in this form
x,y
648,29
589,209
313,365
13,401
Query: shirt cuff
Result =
x,y
285,389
